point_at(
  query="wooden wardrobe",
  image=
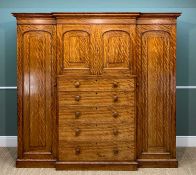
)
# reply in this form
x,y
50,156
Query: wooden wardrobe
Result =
x,y
96,90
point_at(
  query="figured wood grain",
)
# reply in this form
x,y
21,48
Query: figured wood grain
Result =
x,y
96,98
156,119
100,151
116,49
94,131
35,55
123,110
97,114
95,84
76,49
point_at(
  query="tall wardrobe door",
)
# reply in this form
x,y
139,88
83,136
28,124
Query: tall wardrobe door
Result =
x,y
36,62
156,92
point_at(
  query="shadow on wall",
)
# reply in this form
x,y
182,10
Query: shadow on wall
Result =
x,y
8,110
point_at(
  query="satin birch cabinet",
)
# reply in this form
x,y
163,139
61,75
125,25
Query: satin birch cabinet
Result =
x,y
96,91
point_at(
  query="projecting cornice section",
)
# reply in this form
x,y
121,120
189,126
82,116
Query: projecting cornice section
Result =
x,y
96,18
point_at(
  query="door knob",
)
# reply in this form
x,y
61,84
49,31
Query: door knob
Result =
x,y
77,114
77,132
115,114
77,98
115,84
77,150
115,131
77,84
115,98
115,151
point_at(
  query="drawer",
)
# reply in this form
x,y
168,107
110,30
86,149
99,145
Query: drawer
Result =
x,y
96,151
96,114
96,98
92,132
95,84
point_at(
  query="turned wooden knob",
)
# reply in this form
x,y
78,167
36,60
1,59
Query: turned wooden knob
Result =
x,y
115,151
115,98
115,114
77,150
115,84
115,131
77,98
77,132
77,84
77,114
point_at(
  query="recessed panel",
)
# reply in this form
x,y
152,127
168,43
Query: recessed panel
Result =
x,y
37,90
116,49
76,49
155,62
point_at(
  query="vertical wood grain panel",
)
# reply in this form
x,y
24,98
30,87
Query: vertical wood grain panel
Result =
x,y
37,94
155,54
154,69
76,49
116,49
37,58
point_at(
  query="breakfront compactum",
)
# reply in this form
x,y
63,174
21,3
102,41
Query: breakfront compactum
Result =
x,y
96,90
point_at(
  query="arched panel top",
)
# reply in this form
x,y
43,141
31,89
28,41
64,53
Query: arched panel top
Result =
x,y
156,38
117,50
76,49
159,33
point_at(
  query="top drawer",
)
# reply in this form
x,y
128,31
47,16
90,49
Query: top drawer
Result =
x,y
95,84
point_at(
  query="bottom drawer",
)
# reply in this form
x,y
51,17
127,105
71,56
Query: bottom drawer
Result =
x,y
100,151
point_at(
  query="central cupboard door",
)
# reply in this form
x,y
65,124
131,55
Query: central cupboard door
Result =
x,y
96,49
96,93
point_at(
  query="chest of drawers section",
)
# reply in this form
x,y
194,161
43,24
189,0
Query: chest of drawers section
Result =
x,y
96,119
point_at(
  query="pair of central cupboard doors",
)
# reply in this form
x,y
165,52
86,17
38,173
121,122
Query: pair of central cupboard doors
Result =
x,y
97,56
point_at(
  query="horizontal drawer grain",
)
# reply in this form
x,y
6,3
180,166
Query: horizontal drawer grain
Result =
x,y
101,151
96,132
96,114
96,98
95,84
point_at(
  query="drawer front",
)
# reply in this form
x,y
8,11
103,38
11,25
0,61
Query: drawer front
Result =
x,y
92,132
95,84
98,151
96,114
96,98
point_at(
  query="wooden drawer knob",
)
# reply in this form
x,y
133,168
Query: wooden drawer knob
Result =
x,y
115,131
77,84
115,98
77,150
115,114
77,114
115,151
77,132
115,84
77,98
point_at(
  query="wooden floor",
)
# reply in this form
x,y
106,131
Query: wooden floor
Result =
x,y
186,158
